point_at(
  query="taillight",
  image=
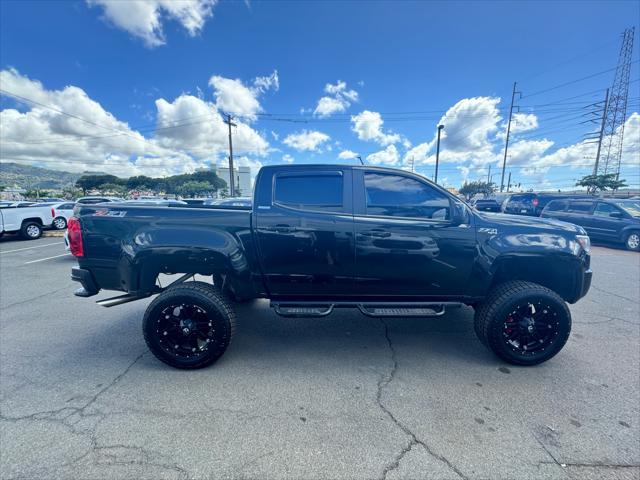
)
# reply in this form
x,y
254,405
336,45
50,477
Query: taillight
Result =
x,y
535,202
74,234
53,212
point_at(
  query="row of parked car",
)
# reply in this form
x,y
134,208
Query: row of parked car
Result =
x,y
29,219
605,219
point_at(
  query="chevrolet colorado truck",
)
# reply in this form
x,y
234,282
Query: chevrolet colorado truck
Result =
x,y
28,221
318,237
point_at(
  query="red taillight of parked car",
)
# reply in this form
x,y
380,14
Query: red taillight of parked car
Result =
x,y
53,212
74,234
535,202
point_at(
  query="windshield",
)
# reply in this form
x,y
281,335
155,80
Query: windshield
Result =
x,y
632,207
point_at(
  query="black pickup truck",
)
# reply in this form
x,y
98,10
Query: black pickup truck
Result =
x,y
318,237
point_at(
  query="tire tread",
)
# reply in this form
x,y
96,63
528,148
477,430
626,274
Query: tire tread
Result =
x,y
213,295
488,310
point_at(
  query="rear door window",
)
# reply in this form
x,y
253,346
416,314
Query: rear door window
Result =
x,y
580,206
556,206
310,192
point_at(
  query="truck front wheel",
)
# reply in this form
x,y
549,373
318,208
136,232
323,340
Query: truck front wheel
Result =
x,y
31,231
523,323
189,325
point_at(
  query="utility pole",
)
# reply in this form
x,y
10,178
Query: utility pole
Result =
x,y
412,169
604,118
489,174
509,182
506,143
232,189
440,127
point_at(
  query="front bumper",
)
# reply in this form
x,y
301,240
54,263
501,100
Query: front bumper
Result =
x,y
586,282
84,277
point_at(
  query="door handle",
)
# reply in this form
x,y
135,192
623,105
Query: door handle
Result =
x,y
281,228
376,233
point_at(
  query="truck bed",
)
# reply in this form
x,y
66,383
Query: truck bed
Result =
x,y
126,246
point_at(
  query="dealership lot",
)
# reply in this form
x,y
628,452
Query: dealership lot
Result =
x,y
346,396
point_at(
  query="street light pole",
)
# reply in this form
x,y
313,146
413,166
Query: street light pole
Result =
x,y
440,127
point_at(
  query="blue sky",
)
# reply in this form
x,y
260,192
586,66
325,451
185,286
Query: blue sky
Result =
x,y
403,65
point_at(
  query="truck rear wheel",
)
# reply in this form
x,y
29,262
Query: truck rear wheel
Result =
x,y
189,326
523,323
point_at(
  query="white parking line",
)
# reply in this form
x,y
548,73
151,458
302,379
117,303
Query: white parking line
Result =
x,y
29,248
48,258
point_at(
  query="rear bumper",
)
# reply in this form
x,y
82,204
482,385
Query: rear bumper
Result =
x,y
84,277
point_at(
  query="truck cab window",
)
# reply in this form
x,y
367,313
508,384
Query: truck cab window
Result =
x,y
310,192
400,196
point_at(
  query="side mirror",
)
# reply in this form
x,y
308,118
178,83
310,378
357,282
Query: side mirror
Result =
x,y
459,214
616,215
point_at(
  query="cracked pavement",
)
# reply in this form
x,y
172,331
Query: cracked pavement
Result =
x,y
346,396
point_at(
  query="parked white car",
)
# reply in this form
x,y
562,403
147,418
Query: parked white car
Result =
x,y
61,212
28,221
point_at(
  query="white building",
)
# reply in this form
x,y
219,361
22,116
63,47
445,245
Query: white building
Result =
x,y
242,177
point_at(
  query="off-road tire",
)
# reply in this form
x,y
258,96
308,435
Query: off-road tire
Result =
x,y
218,312
491,314
31,230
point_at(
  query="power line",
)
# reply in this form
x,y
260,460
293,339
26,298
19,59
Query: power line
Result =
x,y
574,81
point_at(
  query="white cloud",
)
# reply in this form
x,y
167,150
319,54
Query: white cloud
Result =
x,y
468,135
234,97
389,156
144,19
306,140
523,122
339,98
368,126
190,133
347,155
196,127
287,158
469,124
419,154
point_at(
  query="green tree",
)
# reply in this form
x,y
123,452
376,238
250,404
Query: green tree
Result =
x,y
192,188
90,182
70,192
596,183
473,188
141,182
35,193
113,188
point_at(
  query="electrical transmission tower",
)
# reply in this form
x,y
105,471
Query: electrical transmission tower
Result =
x,y
616,110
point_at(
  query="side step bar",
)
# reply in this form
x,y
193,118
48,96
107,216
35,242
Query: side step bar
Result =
x,y
296,310
119,300
402,310
371,309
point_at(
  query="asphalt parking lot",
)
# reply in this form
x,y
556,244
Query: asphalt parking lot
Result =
x,y
346,396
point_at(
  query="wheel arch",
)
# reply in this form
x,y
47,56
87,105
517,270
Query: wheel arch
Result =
x,y
146,266
37,220
557,272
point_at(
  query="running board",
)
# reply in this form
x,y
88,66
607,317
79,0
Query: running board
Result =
x,y
409,310
119,300
371,309
297,310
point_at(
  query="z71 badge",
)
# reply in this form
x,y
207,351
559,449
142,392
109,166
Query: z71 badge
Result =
x,y
490,231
